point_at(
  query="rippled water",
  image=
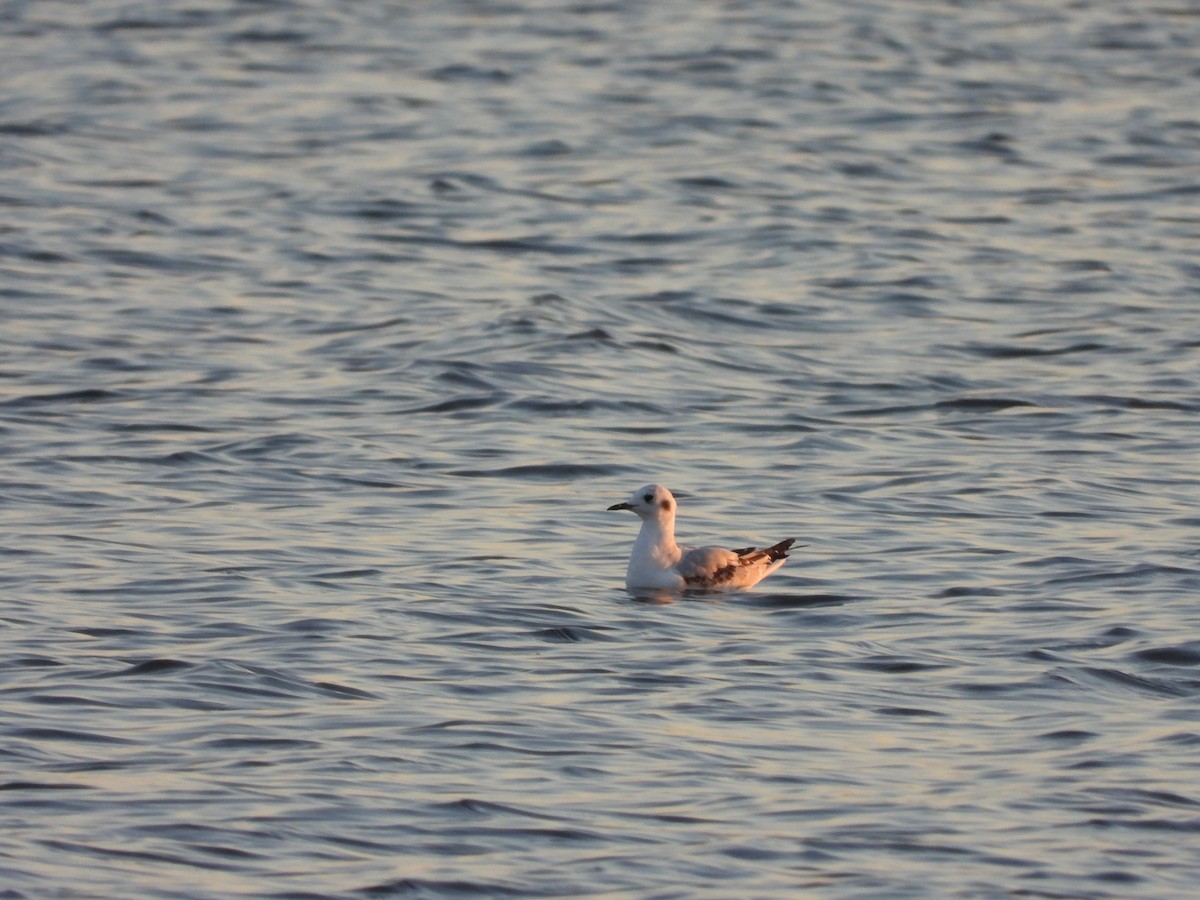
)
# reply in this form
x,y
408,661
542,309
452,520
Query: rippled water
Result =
x,y
331,329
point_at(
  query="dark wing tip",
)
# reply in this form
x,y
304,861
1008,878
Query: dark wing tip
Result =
x,y
780,550
777,551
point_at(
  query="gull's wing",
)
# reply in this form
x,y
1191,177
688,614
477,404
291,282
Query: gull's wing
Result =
x,y
715,568
707,567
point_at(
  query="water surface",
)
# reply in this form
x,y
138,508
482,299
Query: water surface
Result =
x,y
330,330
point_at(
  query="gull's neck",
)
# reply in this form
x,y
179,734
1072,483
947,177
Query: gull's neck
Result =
x,y
655,545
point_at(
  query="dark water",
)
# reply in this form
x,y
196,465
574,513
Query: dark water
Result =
x,y
330,329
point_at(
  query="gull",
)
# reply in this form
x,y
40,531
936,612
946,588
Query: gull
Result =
x,y
658,562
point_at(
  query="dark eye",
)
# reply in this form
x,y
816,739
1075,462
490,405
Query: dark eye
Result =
x,y
649,498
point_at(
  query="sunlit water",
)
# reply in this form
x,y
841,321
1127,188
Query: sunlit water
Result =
x,y
330,330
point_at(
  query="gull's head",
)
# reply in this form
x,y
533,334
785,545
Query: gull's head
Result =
x,y
650,502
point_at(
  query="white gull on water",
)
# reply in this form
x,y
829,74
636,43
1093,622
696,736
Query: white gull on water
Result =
x,y
658,562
